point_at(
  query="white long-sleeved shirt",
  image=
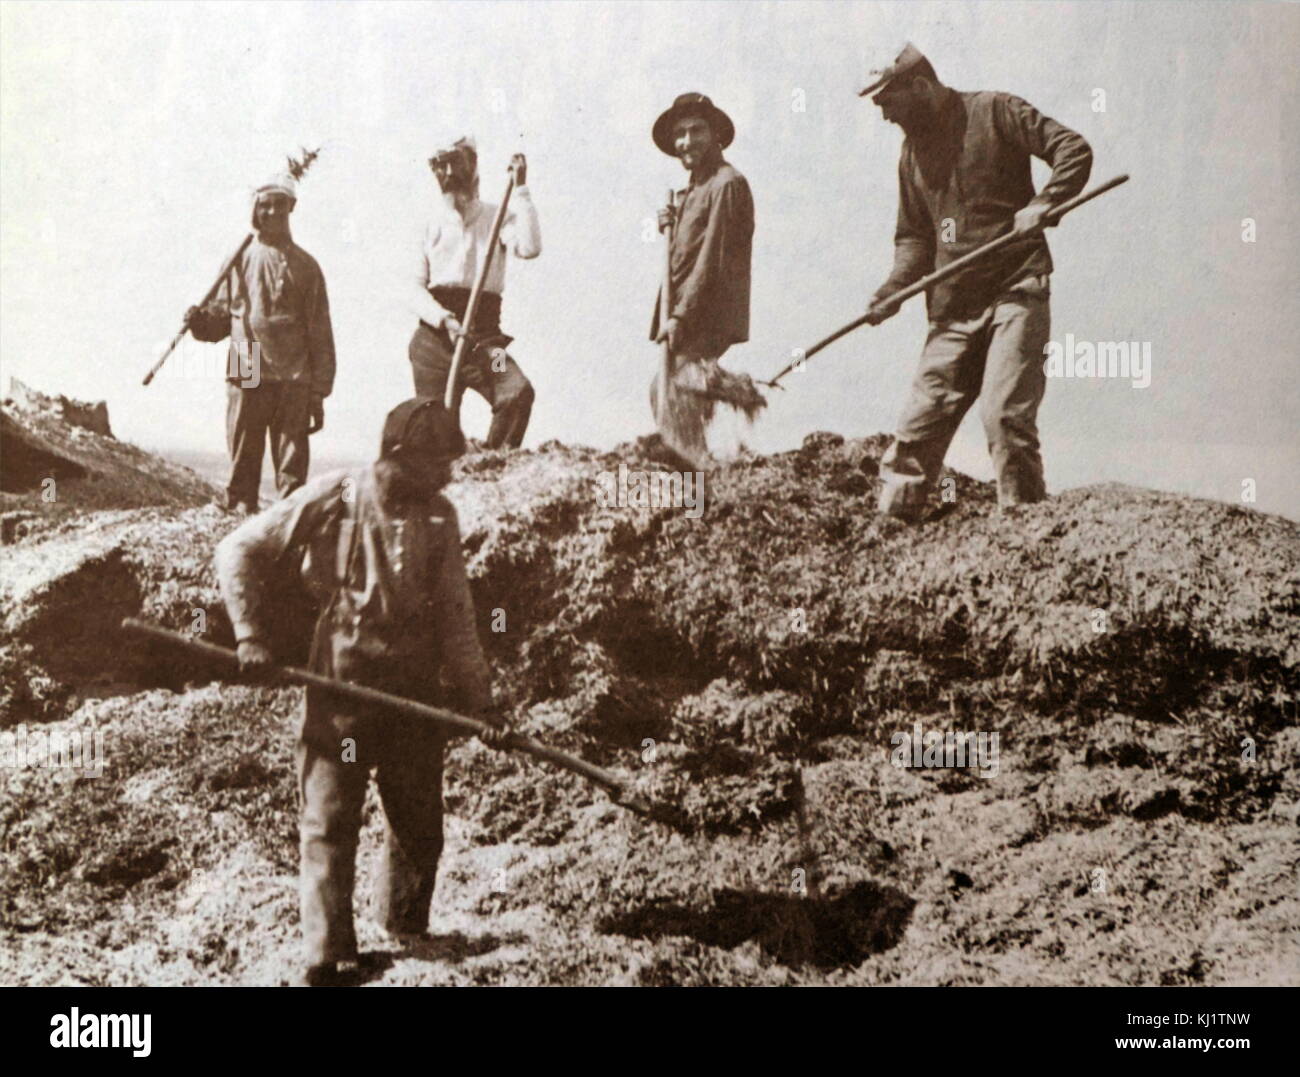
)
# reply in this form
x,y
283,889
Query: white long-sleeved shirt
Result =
x,y
452,249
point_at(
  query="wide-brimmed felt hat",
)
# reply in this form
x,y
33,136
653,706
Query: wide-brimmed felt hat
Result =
x,y
692,104
907,59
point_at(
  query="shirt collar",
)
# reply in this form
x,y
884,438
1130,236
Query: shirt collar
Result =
x,y
471,214
708,174
281,245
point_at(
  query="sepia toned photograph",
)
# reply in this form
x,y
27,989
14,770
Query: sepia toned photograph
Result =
x,y
699,494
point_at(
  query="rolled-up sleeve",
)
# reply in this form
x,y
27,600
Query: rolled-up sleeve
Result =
x,y
521,232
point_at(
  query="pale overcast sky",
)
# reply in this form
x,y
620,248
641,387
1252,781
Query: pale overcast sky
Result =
x,y
132,134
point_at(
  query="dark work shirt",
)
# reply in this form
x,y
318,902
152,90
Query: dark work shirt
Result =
x,y
275,295
960,187
711,248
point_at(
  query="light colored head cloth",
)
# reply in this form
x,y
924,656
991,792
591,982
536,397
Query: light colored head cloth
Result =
x,y
453,140
280,183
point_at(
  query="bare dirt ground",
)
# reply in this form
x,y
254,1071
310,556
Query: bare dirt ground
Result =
x,y
751,667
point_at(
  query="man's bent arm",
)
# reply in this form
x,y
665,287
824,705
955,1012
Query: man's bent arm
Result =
x,y
521,232
246,558
1066,151
211,323
419,299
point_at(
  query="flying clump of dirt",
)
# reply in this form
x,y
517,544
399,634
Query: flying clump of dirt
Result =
x,y
757,670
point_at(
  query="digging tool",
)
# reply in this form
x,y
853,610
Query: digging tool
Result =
x,y
619,791
947,271
471,309
211,295
683,398
297,168
666,312
673,424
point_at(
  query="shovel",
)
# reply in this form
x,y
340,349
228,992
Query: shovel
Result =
x,y
207,298
619,791
683,395
680,420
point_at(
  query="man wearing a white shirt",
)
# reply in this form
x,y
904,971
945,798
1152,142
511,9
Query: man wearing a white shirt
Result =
x,y
451,251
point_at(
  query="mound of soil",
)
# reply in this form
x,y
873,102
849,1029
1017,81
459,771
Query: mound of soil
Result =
x,y
753,666
59,458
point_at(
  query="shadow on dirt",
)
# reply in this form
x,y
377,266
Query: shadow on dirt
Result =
x,y
453,948
831,931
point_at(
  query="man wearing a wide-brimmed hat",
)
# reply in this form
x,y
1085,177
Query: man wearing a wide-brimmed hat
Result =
x,y
964,179
274,308
451,250
712,230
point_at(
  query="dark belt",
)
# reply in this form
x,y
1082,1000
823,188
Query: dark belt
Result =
x,y
487,319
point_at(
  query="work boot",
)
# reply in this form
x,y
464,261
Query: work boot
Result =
x,y
407,940
911,513
326,974
372,964
239,508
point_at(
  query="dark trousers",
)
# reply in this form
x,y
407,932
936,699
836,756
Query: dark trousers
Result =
x,y
336,752
489,371
280,409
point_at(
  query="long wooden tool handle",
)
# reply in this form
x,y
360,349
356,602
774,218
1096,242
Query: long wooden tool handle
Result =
x,y
223,656
471,310
216,284
666,308
1050,218
916,288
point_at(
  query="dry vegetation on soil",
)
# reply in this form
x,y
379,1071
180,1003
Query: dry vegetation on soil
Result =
x,y
770,650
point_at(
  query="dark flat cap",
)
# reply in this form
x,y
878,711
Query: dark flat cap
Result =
x,y
902,63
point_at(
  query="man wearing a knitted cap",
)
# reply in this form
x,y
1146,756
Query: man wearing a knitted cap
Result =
x,y
273,307
452,248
